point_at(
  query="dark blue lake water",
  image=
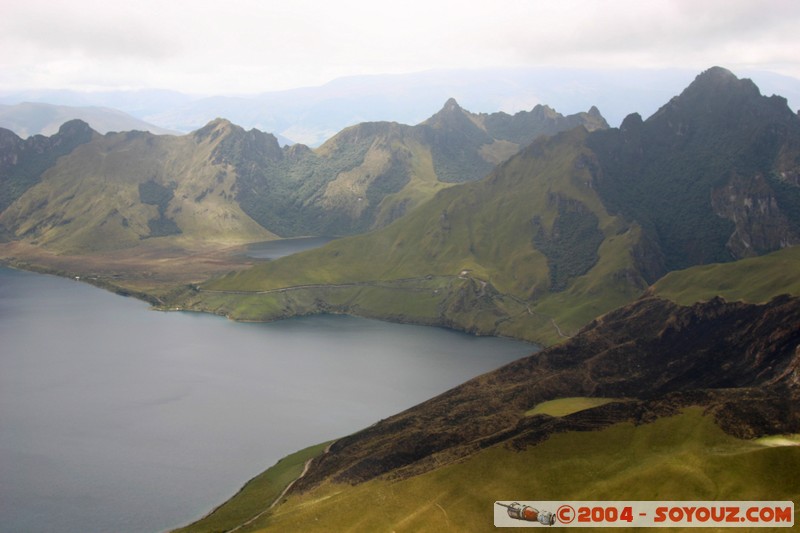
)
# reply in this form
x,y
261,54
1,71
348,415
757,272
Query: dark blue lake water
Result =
x,y
114,417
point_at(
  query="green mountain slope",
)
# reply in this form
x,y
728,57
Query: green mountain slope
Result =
x,y
683,458
220,183
372,173
22,162
652,400
755,279
125,188
691,390
571,227
468,258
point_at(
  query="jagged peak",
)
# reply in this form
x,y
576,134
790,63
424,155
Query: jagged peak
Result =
x,y
74,131
231,143
634,120
715,90
717,80
225,126
215,129
73,125
449,109
296,151
545,111
451,105
363,131
211,127
8,137
717,73
451,113
719,76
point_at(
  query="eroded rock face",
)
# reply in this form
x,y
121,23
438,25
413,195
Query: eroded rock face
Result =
x,y
740,361
710,176
22,161
752,205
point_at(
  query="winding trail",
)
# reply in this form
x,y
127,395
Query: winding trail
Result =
x,y
280,496
558,329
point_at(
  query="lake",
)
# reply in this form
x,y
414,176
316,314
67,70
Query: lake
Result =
x,y
114,417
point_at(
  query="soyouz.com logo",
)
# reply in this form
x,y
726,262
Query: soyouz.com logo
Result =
x,y
643,514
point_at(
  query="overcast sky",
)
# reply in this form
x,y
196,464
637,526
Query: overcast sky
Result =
x,y
249,46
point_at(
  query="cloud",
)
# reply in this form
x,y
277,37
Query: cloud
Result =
x,y
256,45
96,30
664,33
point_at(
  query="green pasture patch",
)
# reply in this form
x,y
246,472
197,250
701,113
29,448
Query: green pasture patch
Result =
x,y
754,280
567,406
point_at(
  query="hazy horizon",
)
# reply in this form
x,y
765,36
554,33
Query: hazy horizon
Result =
x,y
251,47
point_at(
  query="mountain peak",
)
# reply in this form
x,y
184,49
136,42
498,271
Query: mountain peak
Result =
x,y
714,92
451,105
545,111
717,74
718,81
451,115
214,129
75,127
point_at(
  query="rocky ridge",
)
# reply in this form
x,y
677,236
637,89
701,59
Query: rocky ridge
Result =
x,y
741,362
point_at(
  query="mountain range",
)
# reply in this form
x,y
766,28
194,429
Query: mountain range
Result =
x,y
527,225
36,118
311,115
571,227
227,185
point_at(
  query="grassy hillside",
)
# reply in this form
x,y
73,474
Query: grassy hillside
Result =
x,y
556,236
484,256
684,457
571,227
651,345
220,183
372,173
22,162
250,501
755,280
125,188
652,401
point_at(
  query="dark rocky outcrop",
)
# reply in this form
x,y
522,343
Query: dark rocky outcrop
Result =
x,y
23,161
709,175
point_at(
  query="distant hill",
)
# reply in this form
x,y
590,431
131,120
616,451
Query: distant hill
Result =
x,y
115,191
571,227
23,161
312,115
29,118
223,180
373,173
